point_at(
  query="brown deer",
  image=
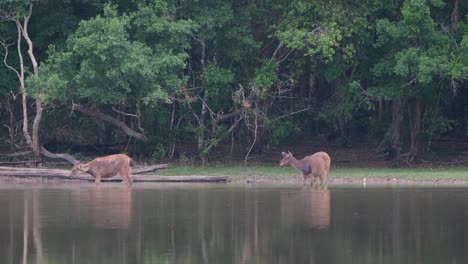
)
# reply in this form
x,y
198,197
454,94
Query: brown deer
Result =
x,y
105,167
314,166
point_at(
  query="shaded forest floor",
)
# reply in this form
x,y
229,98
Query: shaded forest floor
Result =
x,y
442,153
445,163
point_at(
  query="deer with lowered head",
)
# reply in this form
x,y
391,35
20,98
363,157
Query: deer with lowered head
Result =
x,y
313,166
105,167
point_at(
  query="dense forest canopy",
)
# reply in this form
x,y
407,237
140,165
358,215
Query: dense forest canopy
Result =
x,y
158,75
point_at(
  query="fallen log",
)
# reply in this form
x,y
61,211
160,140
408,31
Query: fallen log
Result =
x,y
140,170
40,171
154,178
64,174
17,154
23,162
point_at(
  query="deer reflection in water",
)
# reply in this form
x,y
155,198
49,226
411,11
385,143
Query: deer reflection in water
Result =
x,y
107,207
310,208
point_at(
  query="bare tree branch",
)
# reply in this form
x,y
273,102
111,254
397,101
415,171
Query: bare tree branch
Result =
x,y
5,58
277,50
103,117
10,16
290,114
123,113
215,142
51,155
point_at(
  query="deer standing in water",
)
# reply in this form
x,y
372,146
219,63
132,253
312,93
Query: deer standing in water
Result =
x,y
107,166
314,166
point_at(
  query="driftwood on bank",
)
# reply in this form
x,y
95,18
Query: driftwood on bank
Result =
x,y
23,162
64,174
16,154
144,169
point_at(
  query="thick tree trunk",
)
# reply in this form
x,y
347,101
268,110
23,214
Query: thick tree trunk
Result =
x,y
455,15
22,31
37,120
312,86
201,120
35,129
171,141
415,129
201,127
12,123
20,76
390,146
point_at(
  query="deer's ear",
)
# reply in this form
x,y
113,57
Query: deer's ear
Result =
x,y
284,154
289,153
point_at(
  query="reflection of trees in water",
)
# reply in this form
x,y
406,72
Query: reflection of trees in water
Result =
x,y
233,226
37,235
37,215
308,208
402,226
25,230
14,242
107,215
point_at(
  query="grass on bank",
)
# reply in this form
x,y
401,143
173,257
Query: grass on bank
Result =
x,y
278,172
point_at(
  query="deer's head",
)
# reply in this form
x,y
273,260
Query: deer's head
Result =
x,y
287,158
76,169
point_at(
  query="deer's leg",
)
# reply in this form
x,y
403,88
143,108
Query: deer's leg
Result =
x,y
125,174
128,179
97,180
321,180
129,175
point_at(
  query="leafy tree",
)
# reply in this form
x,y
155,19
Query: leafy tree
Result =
x,y
103,64
418,52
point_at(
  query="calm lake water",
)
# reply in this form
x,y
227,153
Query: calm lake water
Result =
x,y
225,223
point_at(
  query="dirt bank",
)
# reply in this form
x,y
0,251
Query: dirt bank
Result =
x,y
362,181
368,182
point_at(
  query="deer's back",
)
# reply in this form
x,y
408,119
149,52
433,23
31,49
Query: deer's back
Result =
x,y
320,161
109,166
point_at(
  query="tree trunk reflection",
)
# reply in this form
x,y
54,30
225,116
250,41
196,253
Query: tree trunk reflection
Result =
x,y
25,230
37,228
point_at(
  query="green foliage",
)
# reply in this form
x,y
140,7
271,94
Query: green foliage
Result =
x,y
217,79
159,152
185,160
435,123
420,49
156,24
102,65
283,130
336,59
325,30
265,77
341,110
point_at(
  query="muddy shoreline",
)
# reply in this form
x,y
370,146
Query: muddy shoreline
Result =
x,y
287,181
